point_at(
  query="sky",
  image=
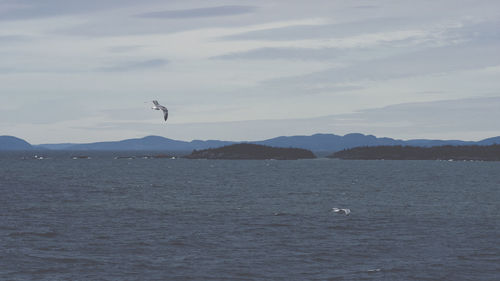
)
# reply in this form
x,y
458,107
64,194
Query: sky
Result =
x,y
87,71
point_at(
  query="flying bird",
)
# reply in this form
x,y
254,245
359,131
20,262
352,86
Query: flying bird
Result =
x,y
158,106
341,211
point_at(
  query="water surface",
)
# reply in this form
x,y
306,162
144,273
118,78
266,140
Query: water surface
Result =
x,y
156,219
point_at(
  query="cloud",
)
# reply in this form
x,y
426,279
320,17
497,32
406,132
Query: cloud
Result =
x,y
135,65
7,70
130,66
4,39
201,12
127,21
366,7
419,63
44,111
125,49
472,117
285,53
484,32
31,9
337,30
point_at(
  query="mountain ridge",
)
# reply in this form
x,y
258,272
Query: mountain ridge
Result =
x,y
316,142
14,143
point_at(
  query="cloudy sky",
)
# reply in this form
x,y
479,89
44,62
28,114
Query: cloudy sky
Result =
x,y
81,71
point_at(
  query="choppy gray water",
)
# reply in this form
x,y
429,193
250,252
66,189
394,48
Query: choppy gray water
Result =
x,y
163,219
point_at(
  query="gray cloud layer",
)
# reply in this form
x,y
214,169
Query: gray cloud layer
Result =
x,y
4,39
338,30
135,65
284,59
285,53
425,62
201,12
29,9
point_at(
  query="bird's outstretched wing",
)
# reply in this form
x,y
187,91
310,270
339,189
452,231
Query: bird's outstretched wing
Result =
x,y
156,102
165,113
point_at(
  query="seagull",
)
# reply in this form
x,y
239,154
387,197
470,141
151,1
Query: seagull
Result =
x,y
341,211
158,106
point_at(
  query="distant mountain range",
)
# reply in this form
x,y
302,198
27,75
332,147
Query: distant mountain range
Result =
x,y
316,143
151,143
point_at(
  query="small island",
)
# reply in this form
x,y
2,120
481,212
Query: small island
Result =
x,y
447,152
243,151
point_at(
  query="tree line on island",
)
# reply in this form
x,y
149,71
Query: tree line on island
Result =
x,y
251,151
395,152
447,152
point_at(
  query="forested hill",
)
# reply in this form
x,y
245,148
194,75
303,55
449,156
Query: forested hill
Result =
x,y
252,151
468,152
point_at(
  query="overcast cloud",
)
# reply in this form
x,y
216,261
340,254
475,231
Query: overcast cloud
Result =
x,y
218,11
239,70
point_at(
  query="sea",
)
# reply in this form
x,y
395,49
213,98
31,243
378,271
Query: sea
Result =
x,y
111,216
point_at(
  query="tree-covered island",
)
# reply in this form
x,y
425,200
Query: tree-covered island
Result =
x,y
251,151
468,152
